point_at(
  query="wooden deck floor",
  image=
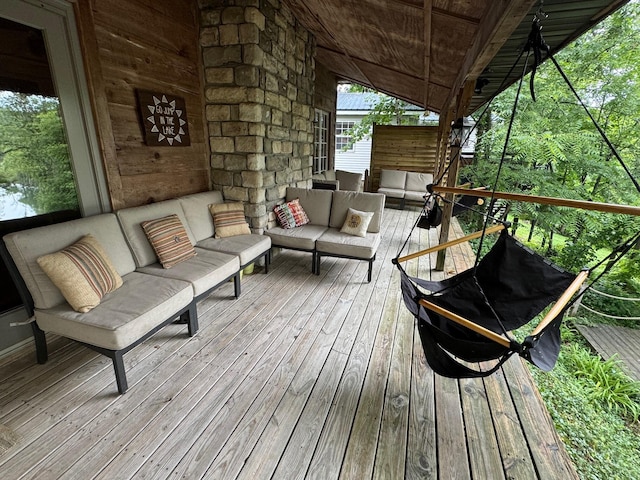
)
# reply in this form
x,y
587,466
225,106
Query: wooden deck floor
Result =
x,y
304,376
609,340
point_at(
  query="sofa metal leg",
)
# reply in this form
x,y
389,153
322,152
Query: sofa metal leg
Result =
x,y
402,204
318,263
236,285
121,375
313,262
370,269
41,343
267,261
192,317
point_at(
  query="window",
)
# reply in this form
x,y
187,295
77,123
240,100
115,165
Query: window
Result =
x,y
51,166
343,139
321,141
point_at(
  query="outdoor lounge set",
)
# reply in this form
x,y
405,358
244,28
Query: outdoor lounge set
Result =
x,y
110,281
326,230
109,290
402,185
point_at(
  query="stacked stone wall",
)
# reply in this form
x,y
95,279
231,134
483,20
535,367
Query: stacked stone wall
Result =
x,y
259,89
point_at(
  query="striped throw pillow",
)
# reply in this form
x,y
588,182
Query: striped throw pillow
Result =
x,y
291,214
169,240
228,220
82,272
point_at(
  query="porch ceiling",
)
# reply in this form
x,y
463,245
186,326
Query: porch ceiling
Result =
x,y
424,51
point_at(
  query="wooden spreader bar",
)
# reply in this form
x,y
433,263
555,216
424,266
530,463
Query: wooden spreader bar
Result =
x,y
559,202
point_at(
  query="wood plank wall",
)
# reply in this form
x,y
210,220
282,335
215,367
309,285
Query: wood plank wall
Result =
x,y
400,147
150,45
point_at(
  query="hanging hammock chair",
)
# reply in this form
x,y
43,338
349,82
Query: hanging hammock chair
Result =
x,y
467,319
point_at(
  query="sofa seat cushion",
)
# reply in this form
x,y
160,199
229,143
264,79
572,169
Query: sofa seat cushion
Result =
x,y
301,238
392,192
336,243
246,247
415,196
204,271
124,315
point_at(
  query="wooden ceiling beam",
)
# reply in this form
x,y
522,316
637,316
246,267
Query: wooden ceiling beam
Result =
x,y
428,5
499,21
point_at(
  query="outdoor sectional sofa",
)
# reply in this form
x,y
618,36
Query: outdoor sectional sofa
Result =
x,y
404,185
149,297
327,211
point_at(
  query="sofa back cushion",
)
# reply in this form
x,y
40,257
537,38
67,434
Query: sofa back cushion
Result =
x,y
349,181
362,201
131,219
417,182
196,211
393,179
27,246
316,203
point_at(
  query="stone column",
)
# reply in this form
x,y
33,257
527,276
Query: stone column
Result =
x,y
259,84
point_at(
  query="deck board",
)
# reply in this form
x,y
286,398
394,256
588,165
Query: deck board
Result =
x,y
610,340
304,376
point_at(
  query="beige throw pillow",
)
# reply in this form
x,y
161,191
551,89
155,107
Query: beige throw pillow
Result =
x,y
169,240
357,223
228,220
82,272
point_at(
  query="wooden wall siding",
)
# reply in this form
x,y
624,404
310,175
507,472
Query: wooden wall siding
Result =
x,y
397,147
153,46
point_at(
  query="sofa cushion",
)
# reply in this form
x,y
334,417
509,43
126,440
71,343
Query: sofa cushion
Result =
x,y
123,316
392,192
169,240
131,218
203,272
349,181
246,247
415,196
316,203
27,245
417,182
83,273
334,242
196,211
291,214
301,238
356,223
395,179
362,201
229,220
329,175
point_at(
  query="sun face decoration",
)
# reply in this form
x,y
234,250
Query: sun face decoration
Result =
x,y
355,221
164,119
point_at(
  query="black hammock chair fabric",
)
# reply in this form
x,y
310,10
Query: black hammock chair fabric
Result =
x,y
517,283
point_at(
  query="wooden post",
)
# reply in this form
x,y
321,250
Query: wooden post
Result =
x,y
447,209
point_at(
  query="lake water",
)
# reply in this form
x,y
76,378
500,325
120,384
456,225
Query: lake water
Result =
x,y
11,206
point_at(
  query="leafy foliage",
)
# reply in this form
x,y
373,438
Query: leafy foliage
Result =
x,y
555,150
34,158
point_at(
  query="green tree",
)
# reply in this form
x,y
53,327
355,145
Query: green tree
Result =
x,y
34,157
554,149
385,110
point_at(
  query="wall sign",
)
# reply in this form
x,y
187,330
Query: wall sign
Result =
x,y
164,119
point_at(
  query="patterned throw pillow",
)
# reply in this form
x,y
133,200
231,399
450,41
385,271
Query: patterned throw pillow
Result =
x,y
169,240
357,223
82,272
291,214
228,220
